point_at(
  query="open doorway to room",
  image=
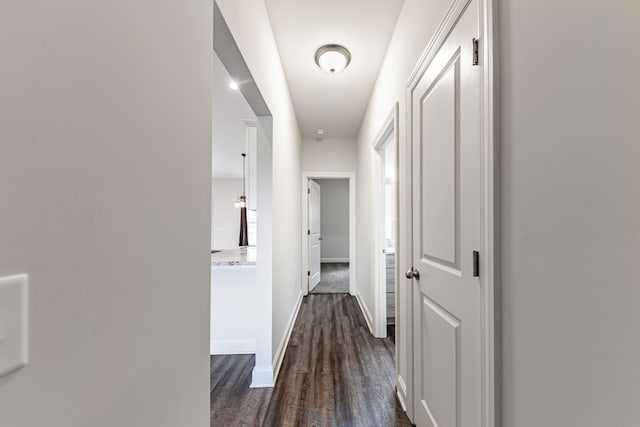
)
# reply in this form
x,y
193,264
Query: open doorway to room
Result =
x,y
241,223
387,226
386,220
328,210
328,236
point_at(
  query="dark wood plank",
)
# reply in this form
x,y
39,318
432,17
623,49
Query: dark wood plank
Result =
x,y
233,403
335,373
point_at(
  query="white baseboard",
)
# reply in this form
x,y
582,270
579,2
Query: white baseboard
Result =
x,y
365,312
282,347
332,260
399,394
262,377
218,347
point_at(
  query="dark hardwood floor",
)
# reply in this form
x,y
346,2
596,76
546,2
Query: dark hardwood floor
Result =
x,y
335,373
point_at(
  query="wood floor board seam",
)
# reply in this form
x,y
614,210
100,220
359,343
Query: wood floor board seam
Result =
x,y
334,373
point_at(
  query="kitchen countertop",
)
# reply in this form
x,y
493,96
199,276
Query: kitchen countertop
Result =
x,y
232,257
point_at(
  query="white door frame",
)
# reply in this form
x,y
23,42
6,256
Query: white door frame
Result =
x,y
389,127
489,260
306,176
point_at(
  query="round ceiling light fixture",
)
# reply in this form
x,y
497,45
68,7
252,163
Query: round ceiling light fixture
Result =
x,y
333,58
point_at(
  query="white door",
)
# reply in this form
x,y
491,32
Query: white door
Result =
x,y
314,234
446,232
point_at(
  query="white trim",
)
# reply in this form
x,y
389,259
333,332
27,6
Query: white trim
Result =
x,y
351,176
389,127
219,347
489,186
333,260
262,376
452,16
401,391
284,342
365,311
489,264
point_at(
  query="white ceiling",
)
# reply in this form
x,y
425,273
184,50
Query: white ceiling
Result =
x,y
229,110
334,103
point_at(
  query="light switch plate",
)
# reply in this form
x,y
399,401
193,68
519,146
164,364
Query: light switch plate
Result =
x,y
13,323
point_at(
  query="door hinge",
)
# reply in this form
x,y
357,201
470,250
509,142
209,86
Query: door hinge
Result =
x,y
308,191
309,273
476,264
308,232
476,55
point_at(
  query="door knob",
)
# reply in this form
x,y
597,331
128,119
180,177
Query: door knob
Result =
x,y
412,273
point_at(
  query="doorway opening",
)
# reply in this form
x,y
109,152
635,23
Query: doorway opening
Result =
x,y
241,224
387,226
328,210
385,216
328,201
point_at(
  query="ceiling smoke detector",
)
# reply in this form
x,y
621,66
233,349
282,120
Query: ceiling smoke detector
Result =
x,y
333,58
319,135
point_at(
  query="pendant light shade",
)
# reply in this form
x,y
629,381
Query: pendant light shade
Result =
x,y
241,201
333,58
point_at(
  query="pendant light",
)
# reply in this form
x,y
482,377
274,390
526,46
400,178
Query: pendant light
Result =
x,y
241,201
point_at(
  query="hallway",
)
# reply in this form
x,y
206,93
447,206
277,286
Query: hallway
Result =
x,y
334,279
335,373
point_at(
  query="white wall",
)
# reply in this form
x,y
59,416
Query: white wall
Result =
x,y
570,99
334,219
225,218
329,155
105,184
249,24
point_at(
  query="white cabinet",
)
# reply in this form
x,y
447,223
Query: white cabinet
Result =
x,y
390,270
233,308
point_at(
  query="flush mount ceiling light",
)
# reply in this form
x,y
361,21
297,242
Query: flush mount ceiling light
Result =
x,y
333,58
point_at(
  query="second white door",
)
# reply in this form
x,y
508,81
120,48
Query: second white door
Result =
x,y
313,232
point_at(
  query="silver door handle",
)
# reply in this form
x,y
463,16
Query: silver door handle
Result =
x,y
412,273
320,238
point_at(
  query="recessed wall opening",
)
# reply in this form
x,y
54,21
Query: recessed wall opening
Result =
x,y
241,223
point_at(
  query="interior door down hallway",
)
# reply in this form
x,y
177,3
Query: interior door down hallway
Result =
x,y
315,238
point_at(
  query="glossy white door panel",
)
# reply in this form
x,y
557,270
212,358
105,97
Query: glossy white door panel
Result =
x,y
445,108
439,364
440,167
314,234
